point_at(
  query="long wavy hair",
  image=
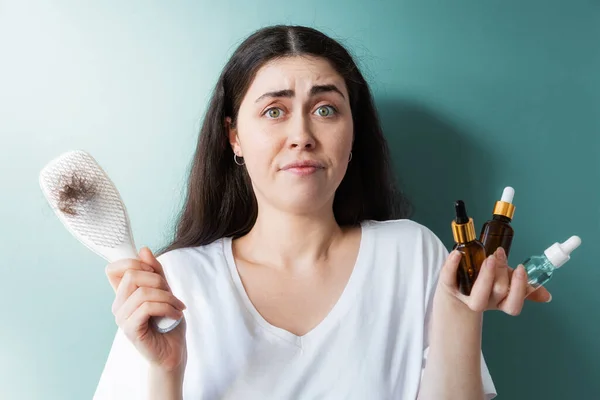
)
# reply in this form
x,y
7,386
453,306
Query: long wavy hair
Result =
x,y
220,201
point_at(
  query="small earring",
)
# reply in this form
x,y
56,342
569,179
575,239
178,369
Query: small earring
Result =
x,y
235,160
350,159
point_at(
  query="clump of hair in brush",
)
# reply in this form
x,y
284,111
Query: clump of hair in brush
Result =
x,y
74,190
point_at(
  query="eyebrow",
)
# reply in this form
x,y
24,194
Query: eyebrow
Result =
x,y
313,92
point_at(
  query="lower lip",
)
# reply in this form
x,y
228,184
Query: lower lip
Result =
x,y
303,170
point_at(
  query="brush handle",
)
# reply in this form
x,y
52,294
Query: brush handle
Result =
x,y
165,324
126,250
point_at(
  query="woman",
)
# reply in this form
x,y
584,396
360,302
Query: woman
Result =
x,y
293,264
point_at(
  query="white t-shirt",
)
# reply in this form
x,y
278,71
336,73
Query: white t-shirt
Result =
x,y
372,345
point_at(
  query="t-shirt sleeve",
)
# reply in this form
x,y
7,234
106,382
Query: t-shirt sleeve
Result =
x,y
437,254
125,373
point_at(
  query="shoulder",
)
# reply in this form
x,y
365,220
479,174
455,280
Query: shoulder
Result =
x,y
413,248
405,225
188,268
404,233
187,257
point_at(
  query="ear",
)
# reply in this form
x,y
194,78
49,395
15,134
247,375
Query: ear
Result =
x,y
234,141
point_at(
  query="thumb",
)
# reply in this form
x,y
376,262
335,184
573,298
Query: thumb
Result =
x,y
147,257
449,270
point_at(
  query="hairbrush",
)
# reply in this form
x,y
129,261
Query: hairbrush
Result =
x,y
88,204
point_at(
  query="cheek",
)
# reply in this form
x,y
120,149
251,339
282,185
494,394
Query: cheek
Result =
x,y
339,142
254,137
259,146
259,153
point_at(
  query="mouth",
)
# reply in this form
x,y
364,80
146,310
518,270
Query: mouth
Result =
x,y
303,167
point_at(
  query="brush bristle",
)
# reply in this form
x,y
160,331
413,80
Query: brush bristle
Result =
x,y
77,187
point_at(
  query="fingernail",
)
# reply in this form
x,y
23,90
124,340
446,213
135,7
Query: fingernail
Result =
x,y
490,261
500,254
550,298
455,254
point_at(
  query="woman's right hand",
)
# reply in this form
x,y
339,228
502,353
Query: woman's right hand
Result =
x,y
142,292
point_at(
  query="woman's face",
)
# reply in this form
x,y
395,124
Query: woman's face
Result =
x,y
294,131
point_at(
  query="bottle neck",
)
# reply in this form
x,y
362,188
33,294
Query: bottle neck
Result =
x,y
502,218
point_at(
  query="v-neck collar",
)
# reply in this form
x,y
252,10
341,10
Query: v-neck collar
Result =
x,y
342,305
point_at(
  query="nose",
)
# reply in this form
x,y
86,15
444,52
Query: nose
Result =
x,y
301,135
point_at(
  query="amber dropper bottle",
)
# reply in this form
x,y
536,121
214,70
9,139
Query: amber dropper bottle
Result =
x,y
497,232
473,252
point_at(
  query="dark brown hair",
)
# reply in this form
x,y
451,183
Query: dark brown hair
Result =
x,y
220,201
73,192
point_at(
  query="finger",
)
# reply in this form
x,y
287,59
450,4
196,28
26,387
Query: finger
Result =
x,y
134,279
147,257
500,289
143,295
513,304
540,295
449,270
137,323
116,270
482,289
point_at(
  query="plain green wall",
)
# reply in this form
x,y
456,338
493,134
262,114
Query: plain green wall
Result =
x,y
474,95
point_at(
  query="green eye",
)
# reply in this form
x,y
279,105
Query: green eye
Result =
x,y
274,112
325,111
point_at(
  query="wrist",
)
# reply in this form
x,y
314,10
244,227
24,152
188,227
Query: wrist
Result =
x,y
454,360
450,314
171,373
166,383
172,365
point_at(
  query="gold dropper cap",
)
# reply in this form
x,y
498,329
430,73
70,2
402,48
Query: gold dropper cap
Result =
x,y
505,209
463,233
463,228
504,206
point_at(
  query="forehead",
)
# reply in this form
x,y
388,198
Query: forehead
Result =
x,y
298,73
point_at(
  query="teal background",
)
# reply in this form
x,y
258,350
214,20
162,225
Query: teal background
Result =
x,y
474,96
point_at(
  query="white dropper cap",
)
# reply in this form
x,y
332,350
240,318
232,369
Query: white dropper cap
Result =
x,y
508,194
560,253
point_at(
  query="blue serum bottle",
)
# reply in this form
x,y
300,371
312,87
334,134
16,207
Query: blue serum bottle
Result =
x,y
540,269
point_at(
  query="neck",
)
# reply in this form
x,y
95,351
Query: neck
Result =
x,y
283,240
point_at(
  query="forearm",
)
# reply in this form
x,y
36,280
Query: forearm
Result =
x,y
166,385
453,368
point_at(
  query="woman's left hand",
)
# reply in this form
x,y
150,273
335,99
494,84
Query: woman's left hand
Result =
x,y
498,286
